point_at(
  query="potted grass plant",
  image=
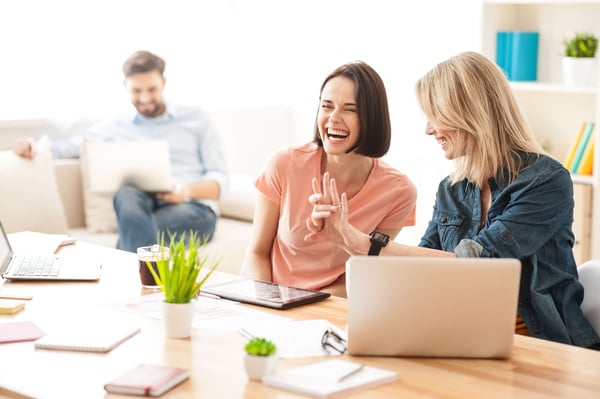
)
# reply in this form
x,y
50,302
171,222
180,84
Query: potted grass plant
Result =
x,y
261,357
580,66
182,270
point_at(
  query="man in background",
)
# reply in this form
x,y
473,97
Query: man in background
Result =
x,y
197,162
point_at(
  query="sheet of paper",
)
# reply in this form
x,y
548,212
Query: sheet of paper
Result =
x,y
33,243
210,314
297,338
294,338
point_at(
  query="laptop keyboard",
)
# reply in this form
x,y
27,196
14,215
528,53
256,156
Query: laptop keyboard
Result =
x,y
47,266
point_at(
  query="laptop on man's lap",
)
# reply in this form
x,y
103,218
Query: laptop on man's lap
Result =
x,y
141,163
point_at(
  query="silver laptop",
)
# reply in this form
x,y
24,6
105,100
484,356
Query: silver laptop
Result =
x,y
45,267
143,163
432,307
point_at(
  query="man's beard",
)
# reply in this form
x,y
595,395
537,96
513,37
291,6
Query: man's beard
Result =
x,y
157,110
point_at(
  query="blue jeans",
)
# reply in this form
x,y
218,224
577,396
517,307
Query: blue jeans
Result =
x,y
141,216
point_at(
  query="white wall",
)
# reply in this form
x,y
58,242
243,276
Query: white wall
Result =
x,y
62,58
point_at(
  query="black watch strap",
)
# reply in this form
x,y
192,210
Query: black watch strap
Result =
x,y
378,241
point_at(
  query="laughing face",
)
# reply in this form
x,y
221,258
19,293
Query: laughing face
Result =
x,y
337,119
446,139
146,93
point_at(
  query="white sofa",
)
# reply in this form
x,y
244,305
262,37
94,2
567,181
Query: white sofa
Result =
x,y
249,136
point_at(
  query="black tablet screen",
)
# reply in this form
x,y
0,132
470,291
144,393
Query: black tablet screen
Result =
x,y
265,293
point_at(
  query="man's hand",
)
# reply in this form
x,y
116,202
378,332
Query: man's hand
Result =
x,y
180,194
23,147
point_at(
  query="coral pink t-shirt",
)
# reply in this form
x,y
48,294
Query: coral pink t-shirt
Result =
x,y
386,201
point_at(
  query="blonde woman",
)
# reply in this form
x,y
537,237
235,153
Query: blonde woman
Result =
x,y
505,198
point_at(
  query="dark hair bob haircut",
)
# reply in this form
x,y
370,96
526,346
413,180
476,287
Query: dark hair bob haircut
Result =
x,y
372,108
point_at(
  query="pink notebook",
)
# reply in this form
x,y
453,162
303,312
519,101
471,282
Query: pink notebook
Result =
x,y
147,380
19,331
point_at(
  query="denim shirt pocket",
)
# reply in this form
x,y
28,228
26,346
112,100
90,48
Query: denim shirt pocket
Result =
x,y
449,229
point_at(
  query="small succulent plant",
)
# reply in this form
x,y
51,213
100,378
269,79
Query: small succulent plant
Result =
x,y
260,347
582,45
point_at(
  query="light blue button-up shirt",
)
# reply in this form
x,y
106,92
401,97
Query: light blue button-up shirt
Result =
x,y
529,219
196,149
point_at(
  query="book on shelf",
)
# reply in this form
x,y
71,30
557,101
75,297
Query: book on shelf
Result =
x,y
573,148
585,139
147,380
516,54
329,378
586,167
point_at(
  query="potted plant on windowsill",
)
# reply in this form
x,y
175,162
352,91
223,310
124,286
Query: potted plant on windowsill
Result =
x,y
261,357
580,66
180,276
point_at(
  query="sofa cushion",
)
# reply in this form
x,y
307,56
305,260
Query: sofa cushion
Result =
x,y
99,212
30,199
229,244
239,201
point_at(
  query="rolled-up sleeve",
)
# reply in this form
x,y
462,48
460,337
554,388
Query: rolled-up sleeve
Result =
x,y
469,249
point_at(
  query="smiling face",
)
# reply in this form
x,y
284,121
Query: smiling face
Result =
x,y
337,119
446,138
146,93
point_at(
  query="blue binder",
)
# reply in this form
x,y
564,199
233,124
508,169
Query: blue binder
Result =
x,y
517,53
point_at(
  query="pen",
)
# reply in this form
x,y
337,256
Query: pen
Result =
x,y
351,373
207,295
16,296
245,333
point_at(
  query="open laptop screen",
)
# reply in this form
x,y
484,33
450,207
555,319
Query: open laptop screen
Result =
x,y
432,306
142,163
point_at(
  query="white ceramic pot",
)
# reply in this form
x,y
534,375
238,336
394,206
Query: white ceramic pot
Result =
x,y
580,72
259,366
178,319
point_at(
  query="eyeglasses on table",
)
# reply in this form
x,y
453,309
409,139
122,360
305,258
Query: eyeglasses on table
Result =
x,y
331,341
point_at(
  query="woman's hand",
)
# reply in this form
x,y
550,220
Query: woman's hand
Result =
x,y
329,219
330,212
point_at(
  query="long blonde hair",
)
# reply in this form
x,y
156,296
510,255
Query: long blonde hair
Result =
x,y
470,94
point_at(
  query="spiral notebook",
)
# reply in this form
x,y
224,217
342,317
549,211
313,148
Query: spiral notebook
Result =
x,y
329,378
88,338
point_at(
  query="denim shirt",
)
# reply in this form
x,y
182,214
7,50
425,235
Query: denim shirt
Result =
x,y
529,219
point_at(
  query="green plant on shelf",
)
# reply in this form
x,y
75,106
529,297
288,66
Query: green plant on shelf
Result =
x,y
582,45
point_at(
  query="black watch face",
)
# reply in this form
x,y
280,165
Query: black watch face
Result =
x,y
380,237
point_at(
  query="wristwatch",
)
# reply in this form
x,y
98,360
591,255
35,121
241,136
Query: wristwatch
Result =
x,y
378,241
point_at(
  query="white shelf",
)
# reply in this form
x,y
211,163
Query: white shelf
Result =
x,y
552,88
582,179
